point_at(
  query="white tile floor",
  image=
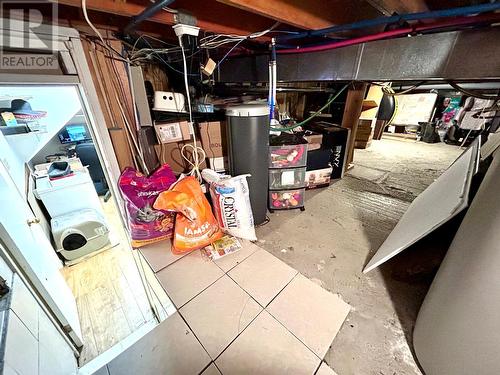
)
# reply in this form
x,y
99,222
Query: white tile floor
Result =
x,y
247,313
219,314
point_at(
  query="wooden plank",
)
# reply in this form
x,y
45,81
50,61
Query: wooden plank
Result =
x,y
128,9
105,89
352,111
211,17
122,149
107,317
388,7
311,14
371,102
89,349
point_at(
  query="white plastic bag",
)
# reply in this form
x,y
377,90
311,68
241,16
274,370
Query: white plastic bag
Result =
x,y
231,203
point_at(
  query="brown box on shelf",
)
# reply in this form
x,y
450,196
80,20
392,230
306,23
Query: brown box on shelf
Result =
x,y
213,139
313,141
170,154
170,132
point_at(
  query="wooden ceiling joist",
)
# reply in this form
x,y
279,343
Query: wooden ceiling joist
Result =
x,y
205,20
310,14
388,7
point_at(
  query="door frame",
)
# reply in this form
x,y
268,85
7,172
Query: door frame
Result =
x,y
74,71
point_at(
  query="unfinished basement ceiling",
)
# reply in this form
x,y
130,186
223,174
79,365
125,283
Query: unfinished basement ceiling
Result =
x,y
225,16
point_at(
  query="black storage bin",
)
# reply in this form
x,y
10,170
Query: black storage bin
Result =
x,y
332,151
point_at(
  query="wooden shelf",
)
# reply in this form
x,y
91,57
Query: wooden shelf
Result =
x,y
369,104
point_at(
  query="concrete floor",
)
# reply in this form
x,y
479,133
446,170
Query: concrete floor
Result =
x,y
342,227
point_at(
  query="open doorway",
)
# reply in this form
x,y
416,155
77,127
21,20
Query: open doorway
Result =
x,y
51,154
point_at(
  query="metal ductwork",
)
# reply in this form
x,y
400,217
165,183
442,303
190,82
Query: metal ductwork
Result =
x,y
458,55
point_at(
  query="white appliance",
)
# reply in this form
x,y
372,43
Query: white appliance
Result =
x,y
68,194
169,101
79,233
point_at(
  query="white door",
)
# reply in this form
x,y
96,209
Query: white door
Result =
x,y
33,252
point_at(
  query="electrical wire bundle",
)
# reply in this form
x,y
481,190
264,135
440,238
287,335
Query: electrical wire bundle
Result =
x,y
218,40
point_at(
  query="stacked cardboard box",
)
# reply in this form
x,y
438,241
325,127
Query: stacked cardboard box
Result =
x,y
174,136
170,153
364,134
213,139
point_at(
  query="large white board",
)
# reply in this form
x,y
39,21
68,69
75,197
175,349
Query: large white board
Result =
x,y
414,108
437,204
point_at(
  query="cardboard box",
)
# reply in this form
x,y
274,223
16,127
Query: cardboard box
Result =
x,y
170,154
318,178
213,139
364,134
172,132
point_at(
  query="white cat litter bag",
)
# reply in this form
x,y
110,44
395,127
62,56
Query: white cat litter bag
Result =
x,y
231,203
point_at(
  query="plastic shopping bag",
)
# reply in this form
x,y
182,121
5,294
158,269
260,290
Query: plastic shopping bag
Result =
x,y
195,224
231,200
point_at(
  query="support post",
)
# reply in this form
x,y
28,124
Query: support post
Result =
x,y
350,119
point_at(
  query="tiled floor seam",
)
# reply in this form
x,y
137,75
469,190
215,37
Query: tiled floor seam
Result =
x,y
207,367
320,359
317,368
199,341
282,289
248,325
192,298
196,336
231,342
264,307
168,265
238,335
269,312
241,261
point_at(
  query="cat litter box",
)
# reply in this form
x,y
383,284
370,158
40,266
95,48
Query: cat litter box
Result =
x,y
79,233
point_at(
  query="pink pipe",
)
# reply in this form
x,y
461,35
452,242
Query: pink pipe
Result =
x,y
394,33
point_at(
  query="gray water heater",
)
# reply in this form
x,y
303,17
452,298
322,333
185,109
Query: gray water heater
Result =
x,y
248,148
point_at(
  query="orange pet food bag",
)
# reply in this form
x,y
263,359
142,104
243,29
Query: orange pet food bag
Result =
x,y
195,224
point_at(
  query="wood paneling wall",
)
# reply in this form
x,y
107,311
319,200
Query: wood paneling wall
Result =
x,y
113,89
